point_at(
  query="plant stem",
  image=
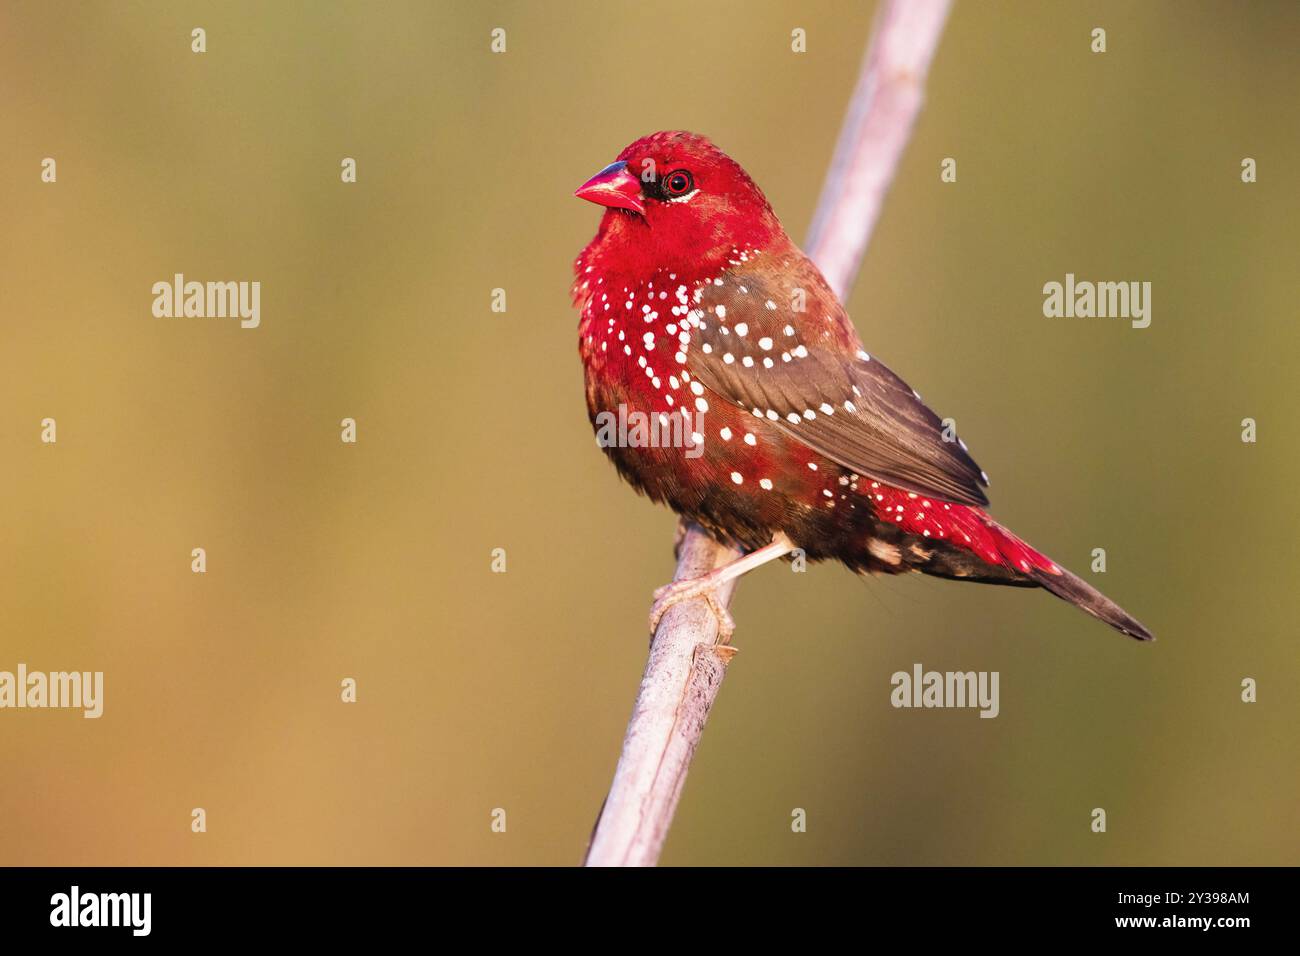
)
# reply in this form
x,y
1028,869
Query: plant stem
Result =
x,y
686,665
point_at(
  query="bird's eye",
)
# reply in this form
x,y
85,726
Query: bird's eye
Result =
x,y
678,183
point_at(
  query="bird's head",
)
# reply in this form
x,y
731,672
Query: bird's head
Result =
x,y
675,201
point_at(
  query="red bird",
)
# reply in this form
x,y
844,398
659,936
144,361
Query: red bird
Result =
x,y
701,316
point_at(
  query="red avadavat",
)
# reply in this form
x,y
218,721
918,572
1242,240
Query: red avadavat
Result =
x,y
695,303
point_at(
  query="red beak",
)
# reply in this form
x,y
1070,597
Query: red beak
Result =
x,y
614,187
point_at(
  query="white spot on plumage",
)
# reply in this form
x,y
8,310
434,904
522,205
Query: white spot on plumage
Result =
x,y
884,551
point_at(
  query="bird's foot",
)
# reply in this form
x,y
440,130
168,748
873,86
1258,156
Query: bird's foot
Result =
x,y
705,587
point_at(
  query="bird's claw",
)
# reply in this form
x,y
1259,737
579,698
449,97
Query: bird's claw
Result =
x,y
675,593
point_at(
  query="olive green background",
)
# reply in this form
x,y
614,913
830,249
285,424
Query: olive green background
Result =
x,y
481,690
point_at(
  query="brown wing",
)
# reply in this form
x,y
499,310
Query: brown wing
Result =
x,y
804,373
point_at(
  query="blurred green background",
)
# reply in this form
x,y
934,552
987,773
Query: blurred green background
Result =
x,y
481,690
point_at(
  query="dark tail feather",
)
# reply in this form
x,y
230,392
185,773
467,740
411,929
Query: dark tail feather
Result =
x,y
1072,588
945,560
